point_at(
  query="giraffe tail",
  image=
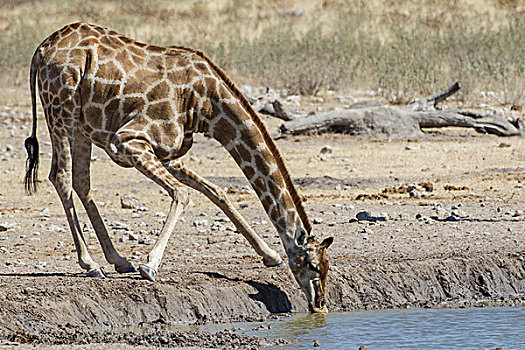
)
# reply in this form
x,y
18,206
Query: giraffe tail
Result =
x,y
31,143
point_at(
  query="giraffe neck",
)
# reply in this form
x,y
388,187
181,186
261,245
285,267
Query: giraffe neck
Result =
x,y
239,129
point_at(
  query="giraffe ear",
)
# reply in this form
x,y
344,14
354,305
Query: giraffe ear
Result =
x,y
300,236
327,242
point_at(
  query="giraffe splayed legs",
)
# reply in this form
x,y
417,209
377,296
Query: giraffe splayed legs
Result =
x,y
142,104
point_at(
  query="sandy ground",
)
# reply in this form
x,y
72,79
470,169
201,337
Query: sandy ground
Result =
x,y
461,243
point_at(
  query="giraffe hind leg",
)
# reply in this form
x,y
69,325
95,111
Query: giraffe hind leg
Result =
x,y
82,186
60,177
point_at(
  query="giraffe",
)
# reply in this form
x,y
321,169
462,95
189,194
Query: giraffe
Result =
x,y
142,104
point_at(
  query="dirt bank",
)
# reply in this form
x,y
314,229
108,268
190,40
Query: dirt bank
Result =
x,y
459,244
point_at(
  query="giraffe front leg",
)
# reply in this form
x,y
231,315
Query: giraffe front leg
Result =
x,y
139,153
270,257
149,270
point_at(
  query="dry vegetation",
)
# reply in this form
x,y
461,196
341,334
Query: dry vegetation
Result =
x,y
400,49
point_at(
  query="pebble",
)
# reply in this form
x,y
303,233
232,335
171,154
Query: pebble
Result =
x,y
130,201
146,240
366,216
117,225
294,100
200,223
317,221
217,226
458,213
326,149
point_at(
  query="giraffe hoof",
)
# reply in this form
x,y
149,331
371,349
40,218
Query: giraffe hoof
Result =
x,y
147,273
125,269
98,273
273,263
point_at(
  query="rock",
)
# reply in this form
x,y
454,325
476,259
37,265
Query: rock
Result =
x,y
200,223
130,201
45,212
366,216
326,149
117,225
317,221
458,213
316,344
294,100
146,240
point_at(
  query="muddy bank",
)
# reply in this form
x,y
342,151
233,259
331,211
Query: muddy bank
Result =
x,y
38,303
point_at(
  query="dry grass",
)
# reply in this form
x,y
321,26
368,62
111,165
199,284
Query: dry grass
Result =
x,y
399,48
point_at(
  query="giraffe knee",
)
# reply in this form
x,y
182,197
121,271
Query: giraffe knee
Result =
x,y
181,195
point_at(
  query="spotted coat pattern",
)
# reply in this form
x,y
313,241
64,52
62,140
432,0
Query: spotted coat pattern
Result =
x,y
142,104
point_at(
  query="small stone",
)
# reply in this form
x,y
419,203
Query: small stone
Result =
x,y
504,145
45,212
317,221
146,240
459,213
366,216
332,223
200,223
416,194
326,149
130,201
294,100
316,344
133,236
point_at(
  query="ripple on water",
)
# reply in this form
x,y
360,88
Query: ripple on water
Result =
x,y
468,328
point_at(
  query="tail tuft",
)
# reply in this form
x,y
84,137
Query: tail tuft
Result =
x,y
31,177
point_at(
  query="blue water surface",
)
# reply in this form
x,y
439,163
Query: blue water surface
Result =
x,y
467,328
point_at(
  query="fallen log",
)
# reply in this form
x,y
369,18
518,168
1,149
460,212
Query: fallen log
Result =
x,y
376,121
371,118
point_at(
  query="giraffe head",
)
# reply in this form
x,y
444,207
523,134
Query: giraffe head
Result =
x,y
310,268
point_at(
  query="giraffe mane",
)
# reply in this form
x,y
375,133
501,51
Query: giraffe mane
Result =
x,y
266,136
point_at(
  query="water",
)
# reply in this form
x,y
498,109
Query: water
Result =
x,y
470,328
